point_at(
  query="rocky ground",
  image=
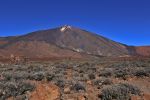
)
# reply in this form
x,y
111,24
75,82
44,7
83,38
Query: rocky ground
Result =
x,y
100,79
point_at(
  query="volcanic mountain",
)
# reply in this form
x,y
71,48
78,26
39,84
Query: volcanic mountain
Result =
x,y
65,41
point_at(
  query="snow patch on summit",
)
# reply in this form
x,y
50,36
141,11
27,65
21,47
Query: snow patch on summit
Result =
x,y
64,28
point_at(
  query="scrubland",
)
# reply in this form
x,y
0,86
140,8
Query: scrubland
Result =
x,y
99,79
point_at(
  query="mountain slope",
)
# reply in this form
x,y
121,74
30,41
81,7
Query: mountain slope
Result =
x,y
143,50
65,41
35,49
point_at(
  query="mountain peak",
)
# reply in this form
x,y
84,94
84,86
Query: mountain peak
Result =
x,y
65,41
65,27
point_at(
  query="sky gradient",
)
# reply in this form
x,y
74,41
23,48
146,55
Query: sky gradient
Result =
x,y
125,21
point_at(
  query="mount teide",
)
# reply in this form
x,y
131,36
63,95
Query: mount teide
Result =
x,y
65,41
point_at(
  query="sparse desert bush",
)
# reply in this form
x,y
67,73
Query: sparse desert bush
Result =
x,y
14,89
121,73
7,76
86,68
50,77
141,73
20,75
120,91
105,73
132,64
60,83
80,76
78,87
126,68
35,68
38,76
13,77
17,75
81,71
76,74
147,70
103,81
24,86
91,76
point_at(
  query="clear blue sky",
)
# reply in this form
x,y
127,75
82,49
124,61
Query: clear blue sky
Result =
x,y
125,21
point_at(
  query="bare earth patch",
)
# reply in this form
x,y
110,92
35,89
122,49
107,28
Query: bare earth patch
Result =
x,y
45,91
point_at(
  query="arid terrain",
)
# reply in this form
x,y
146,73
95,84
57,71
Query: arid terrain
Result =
x,y
66,41
75,79
69,63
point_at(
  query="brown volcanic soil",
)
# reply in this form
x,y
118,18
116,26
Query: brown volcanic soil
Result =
x,y
36,49
3,42
45,91
143,50
54,43
70,42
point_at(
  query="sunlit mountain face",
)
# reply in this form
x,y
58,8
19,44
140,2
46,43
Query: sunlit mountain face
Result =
x,y
66,41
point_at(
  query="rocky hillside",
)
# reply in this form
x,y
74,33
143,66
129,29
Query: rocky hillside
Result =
x,y
65,41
